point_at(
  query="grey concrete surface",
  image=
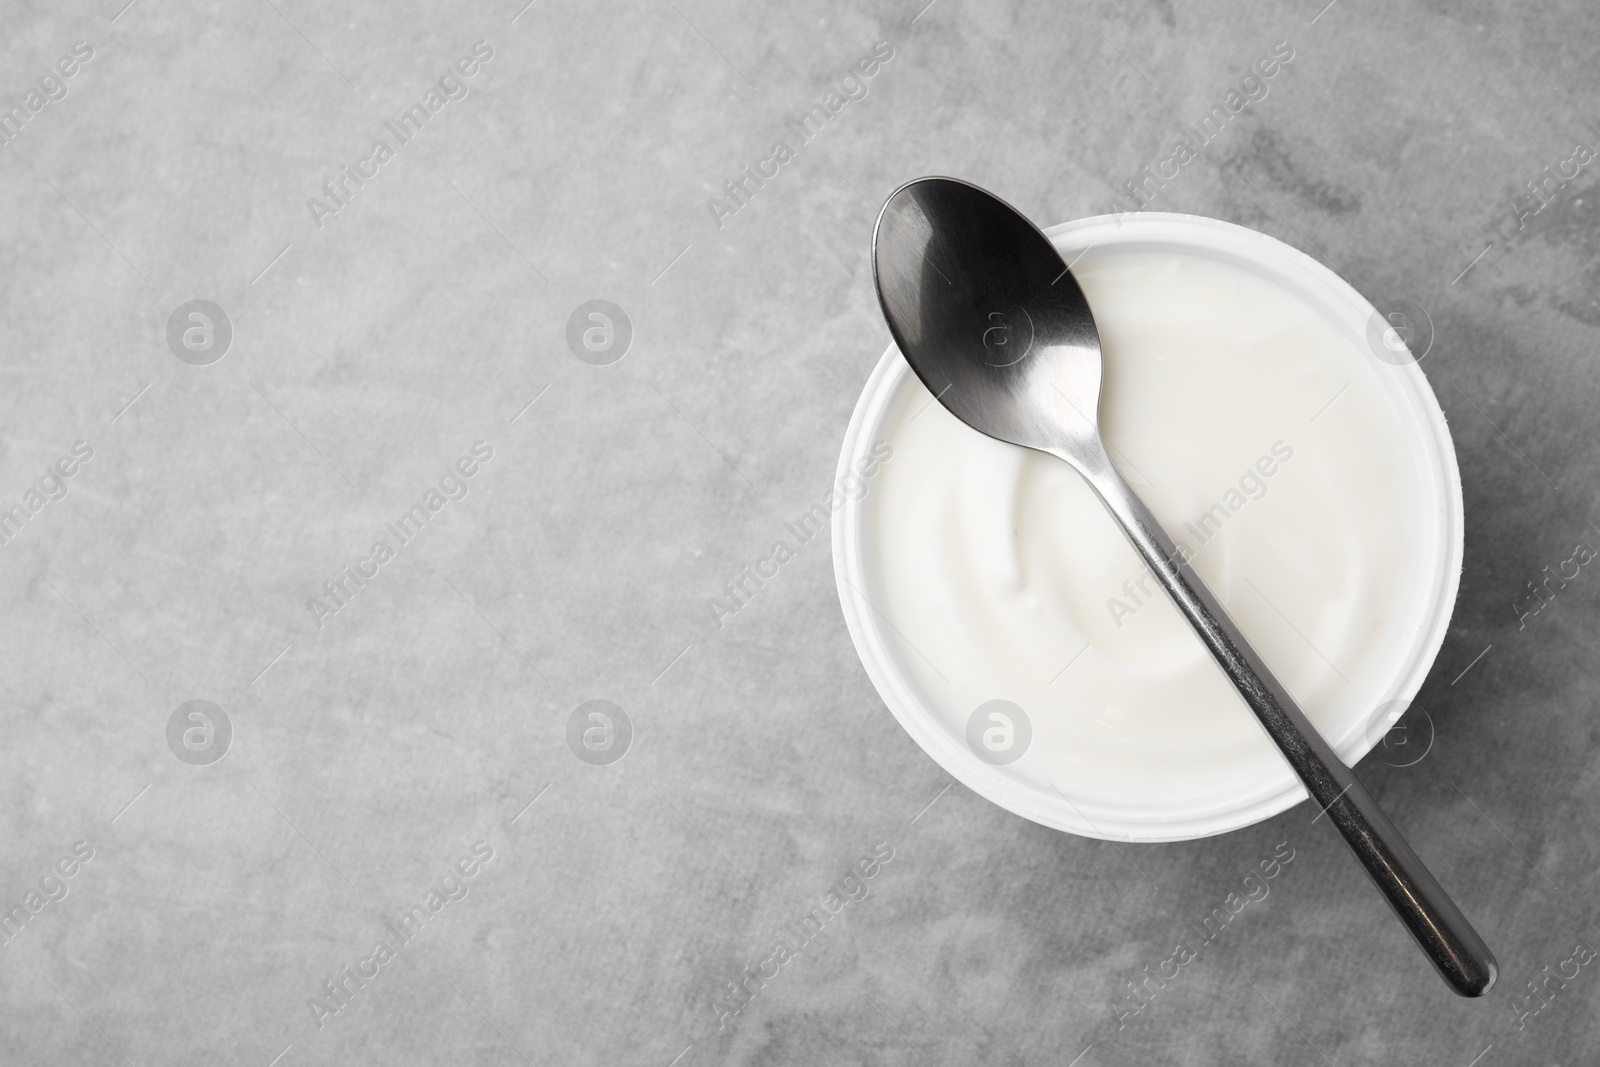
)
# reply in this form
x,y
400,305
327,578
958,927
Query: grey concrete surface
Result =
x,y
376,340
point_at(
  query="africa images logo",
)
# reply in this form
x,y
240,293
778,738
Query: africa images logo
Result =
x,y
337,192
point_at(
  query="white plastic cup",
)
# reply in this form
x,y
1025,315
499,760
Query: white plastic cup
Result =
x,y
1236,804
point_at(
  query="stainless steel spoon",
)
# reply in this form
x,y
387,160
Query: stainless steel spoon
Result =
x,y
994,324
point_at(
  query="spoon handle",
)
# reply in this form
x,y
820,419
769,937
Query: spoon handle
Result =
x,y
1425,909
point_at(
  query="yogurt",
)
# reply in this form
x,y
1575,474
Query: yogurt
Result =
x,y
1252,418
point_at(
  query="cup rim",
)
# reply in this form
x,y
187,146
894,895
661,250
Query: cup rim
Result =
x,y
1348,310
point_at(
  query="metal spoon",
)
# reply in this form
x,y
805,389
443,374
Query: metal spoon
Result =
x,y
994,324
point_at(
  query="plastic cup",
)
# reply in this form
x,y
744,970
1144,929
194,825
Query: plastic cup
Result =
x,y
1270,788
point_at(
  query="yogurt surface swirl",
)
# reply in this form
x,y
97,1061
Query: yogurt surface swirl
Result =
x,y
1262,436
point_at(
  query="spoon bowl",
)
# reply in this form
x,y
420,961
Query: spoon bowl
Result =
x,y
988,316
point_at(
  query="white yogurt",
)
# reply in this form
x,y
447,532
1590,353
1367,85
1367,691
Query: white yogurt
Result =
x,y
1268,440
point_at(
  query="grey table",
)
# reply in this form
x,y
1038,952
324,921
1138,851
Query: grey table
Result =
x,y
197,494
